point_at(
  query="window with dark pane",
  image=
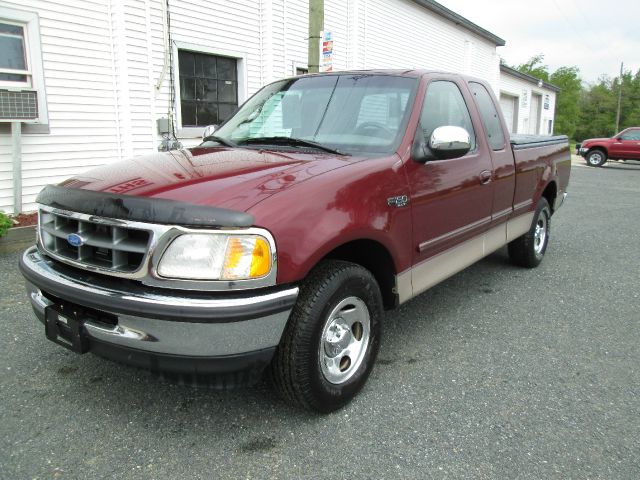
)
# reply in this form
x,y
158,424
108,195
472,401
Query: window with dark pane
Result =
x,y
208,88
12,52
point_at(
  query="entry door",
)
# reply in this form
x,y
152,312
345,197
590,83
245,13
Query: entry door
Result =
x,y
451,200
534,115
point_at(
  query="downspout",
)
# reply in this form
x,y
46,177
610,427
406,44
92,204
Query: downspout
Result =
x,y
114,82
165,47
16,141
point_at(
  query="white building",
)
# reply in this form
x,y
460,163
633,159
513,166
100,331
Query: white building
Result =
x,y
528,103
100,71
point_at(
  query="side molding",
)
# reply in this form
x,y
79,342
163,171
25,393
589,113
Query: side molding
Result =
x,y
432,271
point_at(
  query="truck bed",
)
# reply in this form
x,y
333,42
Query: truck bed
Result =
x,y
520,141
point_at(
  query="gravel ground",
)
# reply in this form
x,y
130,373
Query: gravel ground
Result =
x,y
498,372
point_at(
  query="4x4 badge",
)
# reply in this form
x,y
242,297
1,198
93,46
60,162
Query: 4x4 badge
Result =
x,y
399,201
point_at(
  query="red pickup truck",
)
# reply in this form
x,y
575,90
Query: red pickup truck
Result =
x,y
280,240
623,146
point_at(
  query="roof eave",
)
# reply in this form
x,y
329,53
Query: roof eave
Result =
x,y
460,20
528,78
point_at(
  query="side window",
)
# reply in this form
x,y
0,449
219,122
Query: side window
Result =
x,y
443,106
489,115
631,135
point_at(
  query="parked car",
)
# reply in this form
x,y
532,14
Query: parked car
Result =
x,y
278,242
623,146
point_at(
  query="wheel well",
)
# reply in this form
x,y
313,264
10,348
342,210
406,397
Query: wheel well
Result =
x,y
374,257
602,149
550,193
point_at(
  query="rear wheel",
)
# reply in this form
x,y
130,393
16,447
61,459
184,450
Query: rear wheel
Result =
x,y
331,341
596,158
528,250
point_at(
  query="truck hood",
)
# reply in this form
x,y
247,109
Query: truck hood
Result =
x,y
223,177
591,140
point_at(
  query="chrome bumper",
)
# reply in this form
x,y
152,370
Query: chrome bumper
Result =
x,y
169,323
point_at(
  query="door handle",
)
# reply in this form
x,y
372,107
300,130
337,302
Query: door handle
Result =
x,y
485,177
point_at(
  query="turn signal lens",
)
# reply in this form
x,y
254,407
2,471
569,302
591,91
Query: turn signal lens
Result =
x,y
246,257
261,259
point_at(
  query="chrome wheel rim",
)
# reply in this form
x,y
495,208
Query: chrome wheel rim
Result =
x,y
595,158
540,234
344,340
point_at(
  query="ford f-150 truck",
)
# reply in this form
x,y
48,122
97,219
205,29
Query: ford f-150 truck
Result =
x,y
279,241
623,146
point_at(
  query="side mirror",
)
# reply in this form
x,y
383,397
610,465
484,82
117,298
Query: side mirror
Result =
x,y
208,131
449,142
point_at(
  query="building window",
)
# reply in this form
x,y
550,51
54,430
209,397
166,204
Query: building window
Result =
x,y
208,88
22,93
14,63
301,71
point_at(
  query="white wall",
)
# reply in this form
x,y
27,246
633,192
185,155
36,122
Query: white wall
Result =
x,y
520,88
79,78
106,80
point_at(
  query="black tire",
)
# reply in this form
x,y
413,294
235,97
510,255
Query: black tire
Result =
x,y
528,250
596,158
296,369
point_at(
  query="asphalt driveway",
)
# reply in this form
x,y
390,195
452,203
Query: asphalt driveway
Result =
x,y
499,372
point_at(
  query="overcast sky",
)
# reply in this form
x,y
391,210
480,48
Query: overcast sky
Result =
x,y
594,35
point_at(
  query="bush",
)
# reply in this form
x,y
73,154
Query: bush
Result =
x,y
5,224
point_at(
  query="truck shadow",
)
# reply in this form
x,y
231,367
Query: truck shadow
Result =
x,y
250,420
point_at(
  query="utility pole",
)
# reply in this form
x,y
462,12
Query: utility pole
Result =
x,y
619,99
316,25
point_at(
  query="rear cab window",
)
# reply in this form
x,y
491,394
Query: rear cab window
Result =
x,y
489,115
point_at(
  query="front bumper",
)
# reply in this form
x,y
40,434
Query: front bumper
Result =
x,y
170,331
582,151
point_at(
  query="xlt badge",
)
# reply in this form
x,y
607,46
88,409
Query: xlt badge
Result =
x,y
399,201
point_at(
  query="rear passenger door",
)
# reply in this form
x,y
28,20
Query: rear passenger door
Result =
x,y
451,200
503,177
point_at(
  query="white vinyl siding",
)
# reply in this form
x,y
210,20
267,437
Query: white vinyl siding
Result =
x,y
76,44
107,82
525,91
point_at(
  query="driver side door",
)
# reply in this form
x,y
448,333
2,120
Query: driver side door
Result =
x,y
451,200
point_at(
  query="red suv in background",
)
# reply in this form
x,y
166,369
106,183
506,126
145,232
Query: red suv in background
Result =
x,y
623,146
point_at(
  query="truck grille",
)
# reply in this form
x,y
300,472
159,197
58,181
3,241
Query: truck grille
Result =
x,y
89,243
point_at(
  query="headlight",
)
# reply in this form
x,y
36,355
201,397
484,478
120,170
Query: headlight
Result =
x,y
212,256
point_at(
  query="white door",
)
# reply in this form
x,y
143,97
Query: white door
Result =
x,y
534,114
508,105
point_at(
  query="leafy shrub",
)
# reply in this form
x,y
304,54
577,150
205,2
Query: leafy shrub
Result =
x,y
5,224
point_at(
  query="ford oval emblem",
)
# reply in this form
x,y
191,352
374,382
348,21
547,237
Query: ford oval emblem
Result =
x,y
75,240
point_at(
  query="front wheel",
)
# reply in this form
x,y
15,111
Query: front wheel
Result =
x,y
528,250
331,340
596,158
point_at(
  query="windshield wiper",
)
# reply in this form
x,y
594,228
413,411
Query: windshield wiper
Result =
x,y
220,140
295,142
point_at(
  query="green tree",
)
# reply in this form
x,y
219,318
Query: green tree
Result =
x,y
599,103
536,67
597,111
567,79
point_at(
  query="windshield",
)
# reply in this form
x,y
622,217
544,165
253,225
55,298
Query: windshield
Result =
x,y
346,113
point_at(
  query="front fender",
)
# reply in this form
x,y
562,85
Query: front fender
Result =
x,y
351,203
